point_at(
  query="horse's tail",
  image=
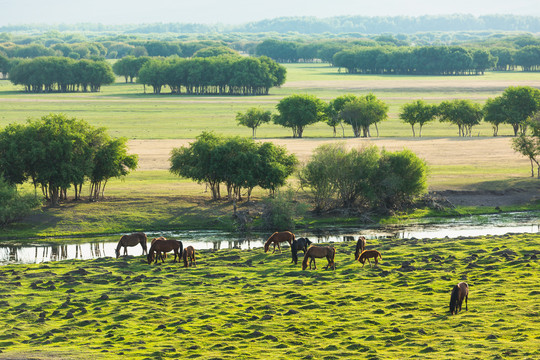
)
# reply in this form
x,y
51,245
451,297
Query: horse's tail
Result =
x,y
333,255
454,298
180,248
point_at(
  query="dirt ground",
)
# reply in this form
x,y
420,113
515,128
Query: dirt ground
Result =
x,y
477,152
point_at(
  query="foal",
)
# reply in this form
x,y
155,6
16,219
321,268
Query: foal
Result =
x,y
319,252
189,255
367,254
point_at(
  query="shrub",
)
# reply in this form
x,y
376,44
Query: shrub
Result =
x,y
15,206
282,210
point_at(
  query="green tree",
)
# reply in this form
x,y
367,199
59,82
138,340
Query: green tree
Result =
x,y
333,111
253,118
494,113
418,112
298,111
463,113
363,112
529,145
518,104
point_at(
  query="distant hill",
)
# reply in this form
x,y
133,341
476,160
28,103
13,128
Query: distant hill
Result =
x,y
313,25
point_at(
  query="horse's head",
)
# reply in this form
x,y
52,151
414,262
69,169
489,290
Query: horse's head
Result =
x,y
266,246
150,256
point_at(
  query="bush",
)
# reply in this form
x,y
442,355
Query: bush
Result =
x,y
363,177
14,205
282,210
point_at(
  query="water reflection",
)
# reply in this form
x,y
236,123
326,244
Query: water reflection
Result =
x,y
217,240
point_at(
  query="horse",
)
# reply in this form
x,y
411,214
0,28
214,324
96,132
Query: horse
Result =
x,y
189,255
163,246
319,252
278,237
367,254
161,255
299,244
131,240
459,292
360,246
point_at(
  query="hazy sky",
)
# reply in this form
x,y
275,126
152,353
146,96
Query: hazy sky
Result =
x,y
239,11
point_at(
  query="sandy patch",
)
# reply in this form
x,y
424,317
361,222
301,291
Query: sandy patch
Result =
x,y
481,152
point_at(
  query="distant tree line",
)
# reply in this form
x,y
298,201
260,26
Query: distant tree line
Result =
x,y
231,75
426,60
313,25
57,153
58,74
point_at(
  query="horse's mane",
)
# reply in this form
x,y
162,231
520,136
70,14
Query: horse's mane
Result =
x,y
454,298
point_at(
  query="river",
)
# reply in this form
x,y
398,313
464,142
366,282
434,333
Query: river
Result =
x,y
103,246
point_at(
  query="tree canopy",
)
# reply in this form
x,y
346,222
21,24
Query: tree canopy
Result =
x,y
298,111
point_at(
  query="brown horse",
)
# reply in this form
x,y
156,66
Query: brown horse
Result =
x,y
360,246
459,292
278,237
367,254
319,252
131,240
164,246
189,255
161,255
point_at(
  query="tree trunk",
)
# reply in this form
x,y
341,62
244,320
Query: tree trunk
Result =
x,y
413,134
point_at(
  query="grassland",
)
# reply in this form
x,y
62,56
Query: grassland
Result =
x,y
251,305
126,111
153,199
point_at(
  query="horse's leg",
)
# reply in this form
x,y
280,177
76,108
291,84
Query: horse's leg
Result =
x,y
274,248
466,300
125,250
279,248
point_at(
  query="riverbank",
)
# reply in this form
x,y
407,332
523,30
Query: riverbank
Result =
x,y
248,304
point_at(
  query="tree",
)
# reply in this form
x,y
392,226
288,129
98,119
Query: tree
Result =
x,y
129,67
463,113
494,113
253,118
109,161
298,111
529,146
213,51
238,163
363,112
333,111
418,112
517,104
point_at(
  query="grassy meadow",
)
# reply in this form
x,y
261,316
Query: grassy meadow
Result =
x,y
126,111
247,304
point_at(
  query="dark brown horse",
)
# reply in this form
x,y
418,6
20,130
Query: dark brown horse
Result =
x,y
189,255
360,246
131,240
278,237
161,255
297,245
459,292
367,254
164,246
319,252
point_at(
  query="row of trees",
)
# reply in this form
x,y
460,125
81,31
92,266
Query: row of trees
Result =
x,y
237,163
230,75
58,74
297,111
427,60
57,153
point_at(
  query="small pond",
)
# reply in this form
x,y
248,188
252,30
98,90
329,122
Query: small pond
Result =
x,y
90,248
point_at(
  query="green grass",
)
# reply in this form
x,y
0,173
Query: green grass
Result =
x,y
126,111
247,304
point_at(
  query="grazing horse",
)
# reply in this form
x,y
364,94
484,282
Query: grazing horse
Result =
x,y
278,237
299,244
367,254
161,255
319,252
189,255
163,246
360,246
131,240
459,292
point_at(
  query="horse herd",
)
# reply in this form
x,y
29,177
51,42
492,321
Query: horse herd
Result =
x,y
160,246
